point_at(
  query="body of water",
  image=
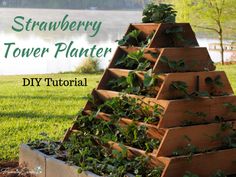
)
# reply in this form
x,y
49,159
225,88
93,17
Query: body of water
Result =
x,y
114,25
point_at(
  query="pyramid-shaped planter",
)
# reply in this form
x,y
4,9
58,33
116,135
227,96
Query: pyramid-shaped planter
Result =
x,y
196,124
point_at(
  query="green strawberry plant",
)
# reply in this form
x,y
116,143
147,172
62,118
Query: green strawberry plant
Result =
x,y
135,38
219,173
174,66
227,140
91,154
132,135
188,150
182,87
132,108
190,174
200,118
133,85
162,13
129,107
45,144
134,61
175,35
136,136
214,84
230,106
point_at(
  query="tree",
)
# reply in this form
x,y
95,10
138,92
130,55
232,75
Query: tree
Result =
x,y
214,15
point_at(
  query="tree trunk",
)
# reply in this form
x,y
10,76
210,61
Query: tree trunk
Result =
x,y
221,45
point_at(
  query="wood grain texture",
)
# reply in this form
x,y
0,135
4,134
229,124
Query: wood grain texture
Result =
x,y
195,59
162,40
193,79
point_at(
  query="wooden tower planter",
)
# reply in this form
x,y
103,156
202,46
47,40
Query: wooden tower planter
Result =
x,y
188,116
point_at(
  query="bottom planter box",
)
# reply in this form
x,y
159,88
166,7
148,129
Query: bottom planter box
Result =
x,y
42,165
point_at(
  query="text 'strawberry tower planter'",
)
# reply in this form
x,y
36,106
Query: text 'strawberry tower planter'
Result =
x,y
196,100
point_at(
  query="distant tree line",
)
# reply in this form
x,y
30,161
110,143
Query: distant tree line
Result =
x,y
76,4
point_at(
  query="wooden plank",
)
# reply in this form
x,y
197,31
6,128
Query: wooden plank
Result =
x,y
195,59
200,136
154,162
161,40
107,94
190,78
204,165
179,111
114,73
123,51
145,28
153,131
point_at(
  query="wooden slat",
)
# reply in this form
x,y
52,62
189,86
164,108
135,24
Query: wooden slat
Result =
x,y
152,132
200,136
161,40
123,51
204,165
195,59
114,73
178,110
190,79
145,28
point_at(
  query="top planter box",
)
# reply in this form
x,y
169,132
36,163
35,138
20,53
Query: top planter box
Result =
x,y
163,35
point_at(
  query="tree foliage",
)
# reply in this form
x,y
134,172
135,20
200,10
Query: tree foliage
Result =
x,y
215,15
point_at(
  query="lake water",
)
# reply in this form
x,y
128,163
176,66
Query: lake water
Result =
x,y
114,25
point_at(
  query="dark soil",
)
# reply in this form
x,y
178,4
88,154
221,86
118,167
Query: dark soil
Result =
x,y
12,169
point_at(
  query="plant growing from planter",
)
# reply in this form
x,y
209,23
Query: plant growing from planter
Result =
x,y
227,140
176,36
131,135
134,61
91,154
214,84
45,145
200,118
133,85
162,13
181,89
175,66
133,38
129,107
189,150
190,174
230,106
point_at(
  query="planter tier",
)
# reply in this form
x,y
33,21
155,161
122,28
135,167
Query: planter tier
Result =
x,y
195,58
195,82
165,34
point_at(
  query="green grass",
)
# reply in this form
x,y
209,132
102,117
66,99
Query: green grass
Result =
x,y
25,112
231,74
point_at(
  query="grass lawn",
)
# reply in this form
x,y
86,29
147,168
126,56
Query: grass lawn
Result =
x,y
25,112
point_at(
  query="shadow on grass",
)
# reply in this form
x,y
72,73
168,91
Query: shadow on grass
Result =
x,y
61,98
32,115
